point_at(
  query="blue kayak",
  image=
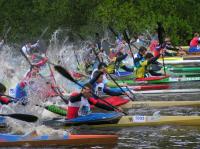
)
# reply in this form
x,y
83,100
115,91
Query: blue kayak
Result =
x,y
123,73
90,119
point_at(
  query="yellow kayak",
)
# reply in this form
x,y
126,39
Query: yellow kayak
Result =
x,y
158,104
140,120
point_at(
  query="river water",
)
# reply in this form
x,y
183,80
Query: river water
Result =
x,y
131,137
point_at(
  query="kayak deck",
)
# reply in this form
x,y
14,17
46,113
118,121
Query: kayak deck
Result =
x,y
130,121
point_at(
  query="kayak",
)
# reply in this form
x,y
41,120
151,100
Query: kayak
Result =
x,y
152,78
128,104
181,62
164,80
115,119
190,69
168,91
122,75
32,140
92,118
142,87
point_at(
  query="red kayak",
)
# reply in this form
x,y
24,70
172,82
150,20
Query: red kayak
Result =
x,y
149,87
152,78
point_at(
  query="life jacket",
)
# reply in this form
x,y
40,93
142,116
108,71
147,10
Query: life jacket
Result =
x,y
79,108
99,89
194,42
153,45
141,70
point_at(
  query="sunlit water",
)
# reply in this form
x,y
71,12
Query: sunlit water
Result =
x,y
14,66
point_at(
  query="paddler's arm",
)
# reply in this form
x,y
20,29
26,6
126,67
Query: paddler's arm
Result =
x,y
111,92
75,97
97,103
153,59
121,57
172,48
95,78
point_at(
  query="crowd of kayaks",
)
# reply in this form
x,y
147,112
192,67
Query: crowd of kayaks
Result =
x,y
151,85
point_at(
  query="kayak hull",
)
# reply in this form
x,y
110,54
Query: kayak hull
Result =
x,y
71,140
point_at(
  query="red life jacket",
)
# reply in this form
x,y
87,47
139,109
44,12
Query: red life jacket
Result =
x,y
194,42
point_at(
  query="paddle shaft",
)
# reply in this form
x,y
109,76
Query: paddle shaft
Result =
x,y
160,30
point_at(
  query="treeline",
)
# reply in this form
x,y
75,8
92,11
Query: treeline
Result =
x,y
28,18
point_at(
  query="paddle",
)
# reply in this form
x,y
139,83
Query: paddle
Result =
x,y
8,96
6,33
45,30
160,31
127,38
76,58
67,75
23,117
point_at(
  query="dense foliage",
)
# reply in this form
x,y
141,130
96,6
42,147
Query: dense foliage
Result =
x,y
29,17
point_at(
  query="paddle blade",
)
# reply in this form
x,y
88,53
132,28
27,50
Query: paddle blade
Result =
x,y
22,117
112,30
161,32
126,36
64,73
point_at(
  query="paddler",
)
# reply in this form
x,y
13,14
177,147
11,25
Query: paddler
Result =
x,y
3,99
195,40
79,103
142,60
117,62
100,87
29,48
30,82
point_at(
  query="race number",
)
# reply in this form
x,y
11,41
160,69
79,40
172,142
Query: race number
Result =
x,y
139,118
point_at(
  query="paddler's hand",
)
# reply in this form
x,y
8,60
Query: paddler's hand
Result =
x,y
120,109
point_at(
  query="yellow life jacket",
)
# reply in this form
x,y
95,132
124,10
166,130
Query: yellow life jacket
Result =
x,y
141,70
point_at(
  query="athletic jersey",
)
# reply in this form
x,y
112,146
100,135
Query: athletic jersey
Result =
x,y
137,58
99,89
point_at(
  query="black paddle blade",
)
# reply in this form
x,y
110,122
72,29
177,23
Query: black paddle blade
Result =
x,y
64,73
161,32
126,36
22,117
112,30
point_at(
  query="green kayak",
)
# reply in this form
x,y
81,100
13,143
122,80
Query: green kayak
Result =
x,y
190,69
165,80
